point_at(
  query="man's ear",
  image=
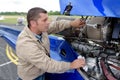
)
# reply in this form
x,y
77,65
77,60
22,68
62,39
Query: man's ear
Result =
x,y
33,23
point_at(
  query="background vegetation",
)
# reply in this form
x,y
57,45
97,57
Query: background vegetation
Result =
x,y
23,13
11,17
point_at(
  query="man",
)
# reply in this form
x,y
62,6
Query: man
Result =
x,y
32,46
68,8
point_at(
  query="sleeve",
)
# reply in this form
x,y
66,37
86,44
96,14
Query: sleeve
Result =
x,y
38,57
57,26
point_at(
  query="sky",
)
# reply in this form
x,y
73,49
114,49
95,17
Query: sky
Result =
x,y
25,5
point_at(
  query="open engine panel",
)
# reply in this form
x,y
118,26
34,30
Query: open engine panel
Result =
x,y
101,48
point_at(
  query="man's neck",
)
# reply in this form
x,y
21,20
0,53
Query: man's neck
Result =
x,y
35,31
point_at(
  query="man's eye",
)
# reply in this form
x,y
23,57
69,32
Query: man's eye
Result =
x,y
44,20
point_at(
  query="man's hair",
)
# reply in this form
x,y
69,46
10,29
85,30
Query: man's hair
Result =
x,y
33,14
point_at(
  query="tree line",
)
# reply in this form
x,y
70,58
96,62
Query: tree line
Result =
x,y
24,13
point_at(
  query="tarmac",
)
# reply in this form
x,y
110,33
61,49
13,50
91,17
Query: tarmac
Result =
x,y
8,69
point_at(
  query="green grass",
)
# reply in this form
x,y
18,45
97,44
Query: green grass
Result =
x,y
10,19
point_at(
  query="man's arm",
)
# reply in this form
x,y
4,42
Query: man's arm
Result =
x,y
57,26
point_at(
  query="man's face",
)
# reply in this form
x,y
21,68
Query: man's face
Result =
x,y
42,23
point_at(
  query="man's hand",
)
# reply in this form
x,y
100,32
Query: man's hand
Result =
x,y
78,63
77,23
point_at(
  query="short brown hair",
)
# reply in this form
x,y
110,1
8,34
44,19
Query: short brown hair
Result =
x,y
33,14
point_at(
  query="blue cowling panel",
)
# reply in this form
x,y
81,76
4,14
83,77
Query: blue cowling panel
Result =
x,y
10,35
62,51
105,8
65,76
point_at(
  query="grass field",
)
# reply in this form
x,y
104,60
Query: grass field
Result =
x,y
12,19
